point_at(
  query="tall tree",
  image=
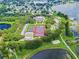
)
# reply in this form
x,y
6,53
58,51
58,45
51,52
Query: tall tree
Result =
x,y
67,29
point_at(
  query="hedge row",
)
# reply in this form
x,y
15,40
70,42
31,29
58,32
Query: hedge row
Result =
x,y
32,44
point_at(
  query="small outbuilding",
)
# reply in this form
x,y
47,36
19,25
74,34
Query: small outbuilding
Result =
x,y
29,35
56,42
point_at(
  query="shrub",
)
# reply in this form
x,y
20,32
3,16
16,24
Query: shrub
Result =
x,y
33,44
12,37
69,42
47,38
32,21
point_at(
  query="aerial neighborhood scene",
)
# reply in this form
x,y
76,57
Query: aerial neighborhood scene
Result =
x,y
39,29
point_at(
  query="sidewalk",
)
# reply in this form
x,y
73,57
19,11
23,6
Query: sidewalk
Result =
x,y
68,48
24,29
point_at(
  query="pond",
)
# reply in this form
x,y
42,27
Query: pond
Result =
x,y
4,26
52,54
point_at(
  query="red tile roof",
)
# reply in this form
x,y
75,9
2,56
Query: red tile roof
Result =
x,y
39,30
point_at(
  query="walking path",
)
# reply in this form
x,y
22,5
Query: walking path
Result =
x,y
24,29
13,53
1,39
68,48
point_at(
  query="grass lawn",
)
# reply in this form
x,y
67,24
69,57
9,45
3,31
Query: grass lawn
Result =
x,y
40,24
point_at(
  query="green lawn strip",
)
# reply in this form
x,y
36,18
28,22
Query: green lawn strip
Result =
x,y
40,24
7,22
15,17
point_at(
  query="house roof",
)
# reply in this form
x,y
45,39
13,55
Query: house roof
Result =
x,y
39,30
